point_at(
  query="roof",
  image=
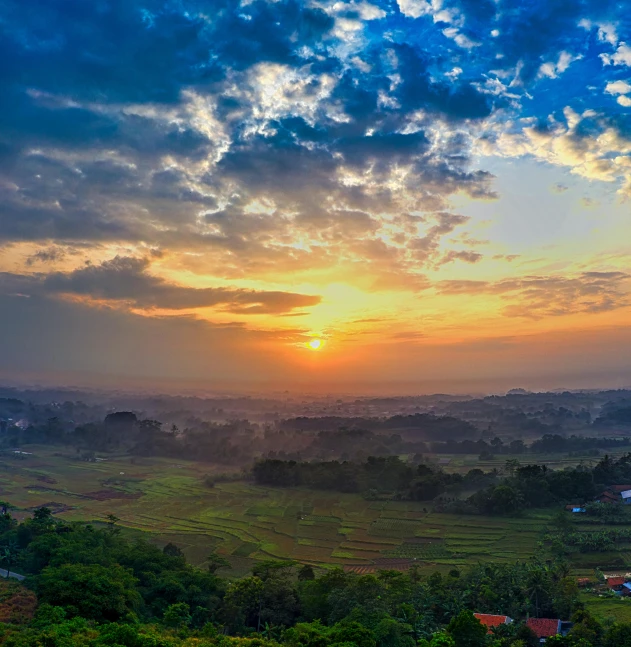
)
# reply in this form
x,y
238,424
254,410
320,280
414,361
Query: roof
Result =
x,y
615,581
544,627
619,488
626,494
490,620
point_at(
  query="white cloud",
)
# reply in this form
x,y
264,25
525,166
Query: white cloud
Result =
x,y
414,8
365,10
552,70
622,56
618,87
460,39
607,32
602,155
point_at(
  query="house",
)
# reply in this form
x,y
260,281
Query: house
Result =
x,y
583,582
490,621
615,494
607,497
616,584
544,628
626,589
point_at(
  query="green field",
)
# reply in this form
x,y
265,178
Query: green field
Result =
x,y
169,501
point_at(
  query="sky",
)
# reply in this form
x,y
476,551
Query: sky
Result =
x,y
193,191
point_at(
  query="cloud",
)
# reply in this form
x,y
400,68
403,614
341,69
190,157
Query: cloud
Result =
x,y
622,56
466,256
127,280
618,87
51,254
594,145
553,70
535,297
79,343
281,141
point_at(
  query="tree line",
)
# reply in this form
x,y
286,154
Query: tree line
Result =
x,y
520,487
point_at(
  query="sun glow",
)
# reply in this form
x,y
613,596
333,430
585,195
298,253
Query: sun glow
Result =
x,y
315,344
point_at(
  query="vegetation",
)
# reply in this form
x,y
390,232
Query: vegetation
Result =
x,y
89,586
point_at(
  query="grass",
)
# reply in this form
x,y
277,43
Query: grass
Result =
x,y
245,522
604,608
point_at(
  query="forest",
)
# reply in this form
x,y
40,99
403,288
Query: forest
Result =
x,y
522,487
89,585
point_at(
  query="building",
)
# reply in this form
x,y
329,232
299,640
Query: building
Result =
x,y
490,621
616,584
615,494
544,628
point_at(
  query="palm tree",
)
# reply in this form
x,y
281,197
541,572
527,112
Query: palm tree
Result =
x,y
537,586
9,553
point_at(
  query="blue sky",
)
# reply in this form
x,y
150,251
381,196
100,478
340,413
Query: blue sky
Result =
x,y
402,179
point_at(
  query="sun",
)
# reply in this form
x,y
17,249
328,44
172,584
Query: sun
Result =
x,y
315,344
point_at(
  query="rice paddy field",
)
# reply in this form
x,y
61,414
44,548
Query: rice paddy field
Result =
x,y
171,502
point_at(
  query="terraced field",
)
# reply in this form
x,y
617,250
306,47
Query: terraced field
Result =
x,y
170,501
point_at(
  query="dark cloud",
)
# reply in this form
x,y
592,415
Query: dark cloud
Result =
x,y
48,255
466,256
71,340
127,280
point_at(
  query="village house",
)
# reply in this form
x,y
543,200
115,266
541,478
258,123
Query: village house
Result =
x,y
615,494
545,628
619,585
490,621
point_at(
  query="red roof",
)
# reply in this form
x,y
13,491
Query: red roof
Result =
x,y
544,627
490,620
619,488
615,581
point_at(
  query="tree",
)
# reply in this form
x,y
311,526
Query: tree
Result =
x,y
441,639
215,562
112,520
505,499
467,630
173,551
178,615
43,517
243,603
511,465
8,554
390,633
537,587
90,591
351,633
306,573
